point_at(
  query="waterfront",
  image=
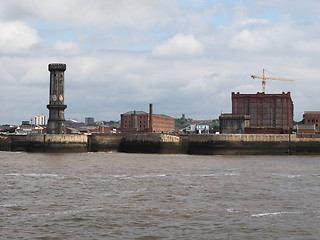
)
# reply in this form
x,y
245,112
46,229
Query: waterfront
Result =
x,y
144,196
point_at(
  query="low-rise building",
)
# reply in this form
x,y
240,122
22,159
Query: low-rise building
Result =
x,y
196,129
26,129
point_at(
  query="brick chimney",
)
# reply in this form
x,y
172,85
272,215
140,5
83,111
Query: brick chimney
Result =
x,y
150,117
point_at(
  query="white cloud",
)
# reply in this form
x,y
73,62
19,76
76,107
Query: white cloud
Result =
x,y
62,46
119,56
249,41
179,46
16,36
140,14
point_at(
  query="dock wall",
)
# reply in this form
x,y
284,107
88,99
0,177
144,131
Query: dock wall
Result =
x,y
223,144
253,144
49,143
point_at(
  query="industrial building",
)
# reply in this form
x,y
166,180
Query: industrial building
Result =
x,y
140,121
268,113
312,118
265,110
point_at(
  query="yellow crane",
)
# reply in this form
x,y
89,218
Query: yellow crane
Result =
x,y
264,78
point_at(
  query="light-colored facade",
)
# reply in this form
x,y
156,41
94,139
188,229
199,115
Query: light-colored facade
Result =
x,y
40,120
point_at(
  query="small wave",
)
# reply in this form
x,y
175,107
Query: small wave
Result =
x,y
287,175
13,207
67,212
232,210
151,175
35,175
274,214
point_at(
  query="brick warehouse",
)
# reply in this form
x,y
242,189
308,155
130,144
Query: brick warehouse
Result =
x,y
140,121
265,110
312,118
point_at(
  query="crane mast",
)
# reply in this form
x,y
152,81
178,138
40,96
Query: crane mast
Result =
x,y
264,78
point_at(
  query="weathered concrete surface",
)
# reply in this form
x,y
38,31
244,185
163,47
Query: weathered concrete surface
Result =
x,y
224,144
49,143
252,144
134,143
151,143
105,142
18,143
5,143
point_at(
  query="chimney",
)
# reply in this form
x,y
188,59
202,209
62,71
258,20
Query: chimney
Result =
x,y
150,117
134,120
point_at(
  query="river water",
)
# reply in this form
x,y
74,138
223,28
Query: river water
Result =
x,y
143,196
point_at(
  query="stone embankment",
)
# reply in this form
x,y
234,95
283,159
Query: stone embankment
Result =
x,y
223,144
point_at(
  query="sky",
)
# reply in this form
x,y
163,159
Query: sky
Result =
x,y
184,56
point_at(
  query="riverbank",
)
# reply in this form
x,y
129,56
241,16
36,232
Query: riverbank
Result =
x,y
215,144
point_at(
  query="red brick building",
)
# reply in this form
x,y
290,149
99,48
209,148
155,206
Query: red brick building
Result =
x,y
140,121
265,110
312,118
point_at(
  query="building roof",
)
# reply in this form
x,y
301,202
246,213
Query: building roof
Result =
x,y
143,112
137,112
163,115
312,112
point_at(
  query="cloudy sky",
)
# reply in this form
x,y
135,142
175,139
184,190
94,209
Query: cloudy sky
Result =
x,y
184,56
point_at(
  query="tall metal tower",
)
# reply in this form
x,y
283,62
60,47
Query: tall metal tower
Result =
x,y
56,121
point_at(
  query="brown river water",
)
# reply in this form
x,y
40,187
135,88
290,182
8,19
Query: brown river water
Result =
x,y
144,196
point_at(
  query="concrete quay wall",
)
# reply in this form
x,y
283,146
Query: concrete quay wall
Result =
x,y
5,143
224,144
253,144
151,143
240,138
49,143
134,143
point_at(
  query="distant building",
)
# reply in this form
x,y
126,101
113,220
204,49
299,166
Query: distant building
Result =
x,y
40,120
233,124
89,120
26,129
265,110
196,129
140,121
312,118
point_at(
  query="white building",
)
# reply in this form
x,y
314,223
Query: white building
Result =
x,y
40,120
